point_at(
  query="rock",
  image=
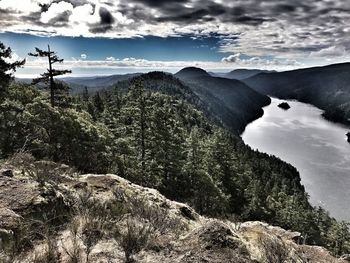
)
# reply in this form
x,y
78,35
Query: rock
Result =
x,y
9,219
284,105
6,172
188,213
191,239
348,135
213,241
218,234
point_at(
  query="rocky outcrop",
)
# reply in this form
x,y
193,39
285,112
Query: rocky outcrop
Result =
x,y
186,237
348,137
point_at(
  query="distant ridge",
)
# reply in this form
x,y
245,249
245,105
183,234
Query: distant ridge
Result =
x,y
191,72
245,73
240,74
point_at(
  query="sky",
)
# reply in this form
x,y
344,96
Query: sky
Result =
x,y
97,37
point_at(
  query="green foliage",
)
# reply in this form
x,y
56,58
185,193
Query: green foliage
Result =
x,y
164,142
157,136
6,69
29,123
56,89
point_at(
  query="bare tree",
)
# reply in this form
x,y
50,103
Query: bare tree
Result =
x,y
48,76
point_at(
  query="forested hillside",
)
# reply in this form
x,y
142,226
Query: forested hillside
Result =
x,y
325,87
241,74
152,131
234,102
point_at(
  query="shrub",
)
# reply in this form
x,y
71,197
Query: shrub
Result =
x,y
134,238
74,250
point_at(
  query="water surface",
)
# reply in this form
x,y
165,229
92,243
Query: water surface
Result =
x,y
315,146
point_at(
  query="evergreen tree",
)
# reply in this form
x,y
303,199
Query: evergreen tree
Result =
x,y
6,69
98,103
85,95
48,77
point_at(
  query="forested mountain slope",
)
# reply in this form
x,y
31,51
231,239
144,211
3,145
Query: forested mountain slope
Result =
x,y
234,102
161,141
97,82
228,102
240,74
325,87
154,131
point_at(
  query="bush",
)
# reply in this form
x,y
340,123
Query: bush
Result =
x,y
134,238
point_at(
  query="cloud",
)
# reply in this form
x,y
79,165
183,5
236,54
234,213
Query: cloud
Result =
x,y
25,6
83,56
231,58
83,14
57,13
148,65
258,62
329,52
281,29
14,57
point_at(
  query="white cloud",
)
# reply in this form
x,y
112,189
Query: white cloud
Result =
x,y
121,19
329,52
14,57
139,63
258,62
83,56
55,10
84,14
232,58
25,6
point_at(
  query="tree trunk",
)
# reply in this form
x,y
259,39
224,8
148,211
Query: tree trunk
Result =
x,y
52,84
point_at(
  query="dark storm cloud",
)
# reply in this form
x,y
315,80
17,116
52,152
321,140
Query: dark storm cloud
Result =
x,y
8,18
44,7
106,16
162,3
105,24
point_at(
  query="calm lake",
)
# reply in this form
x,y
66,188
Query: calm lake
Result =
x,y
315,146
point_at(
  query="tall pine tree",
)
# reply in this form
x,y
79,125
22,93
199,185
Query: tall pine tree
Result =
x,y
48,76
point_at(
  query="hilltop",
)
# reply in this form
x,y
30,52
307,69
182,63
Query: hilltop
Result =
x,y
191,72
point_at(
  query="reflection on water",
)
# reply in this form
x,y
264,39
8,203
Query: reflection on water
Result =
x,y
315,146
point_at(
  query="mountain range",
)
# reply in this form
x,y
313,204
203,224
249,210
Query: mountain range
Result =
x,y
237,97
327,88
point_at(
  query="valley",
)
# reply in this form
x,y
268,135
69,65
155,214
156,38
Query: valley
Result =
x,y
147,131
